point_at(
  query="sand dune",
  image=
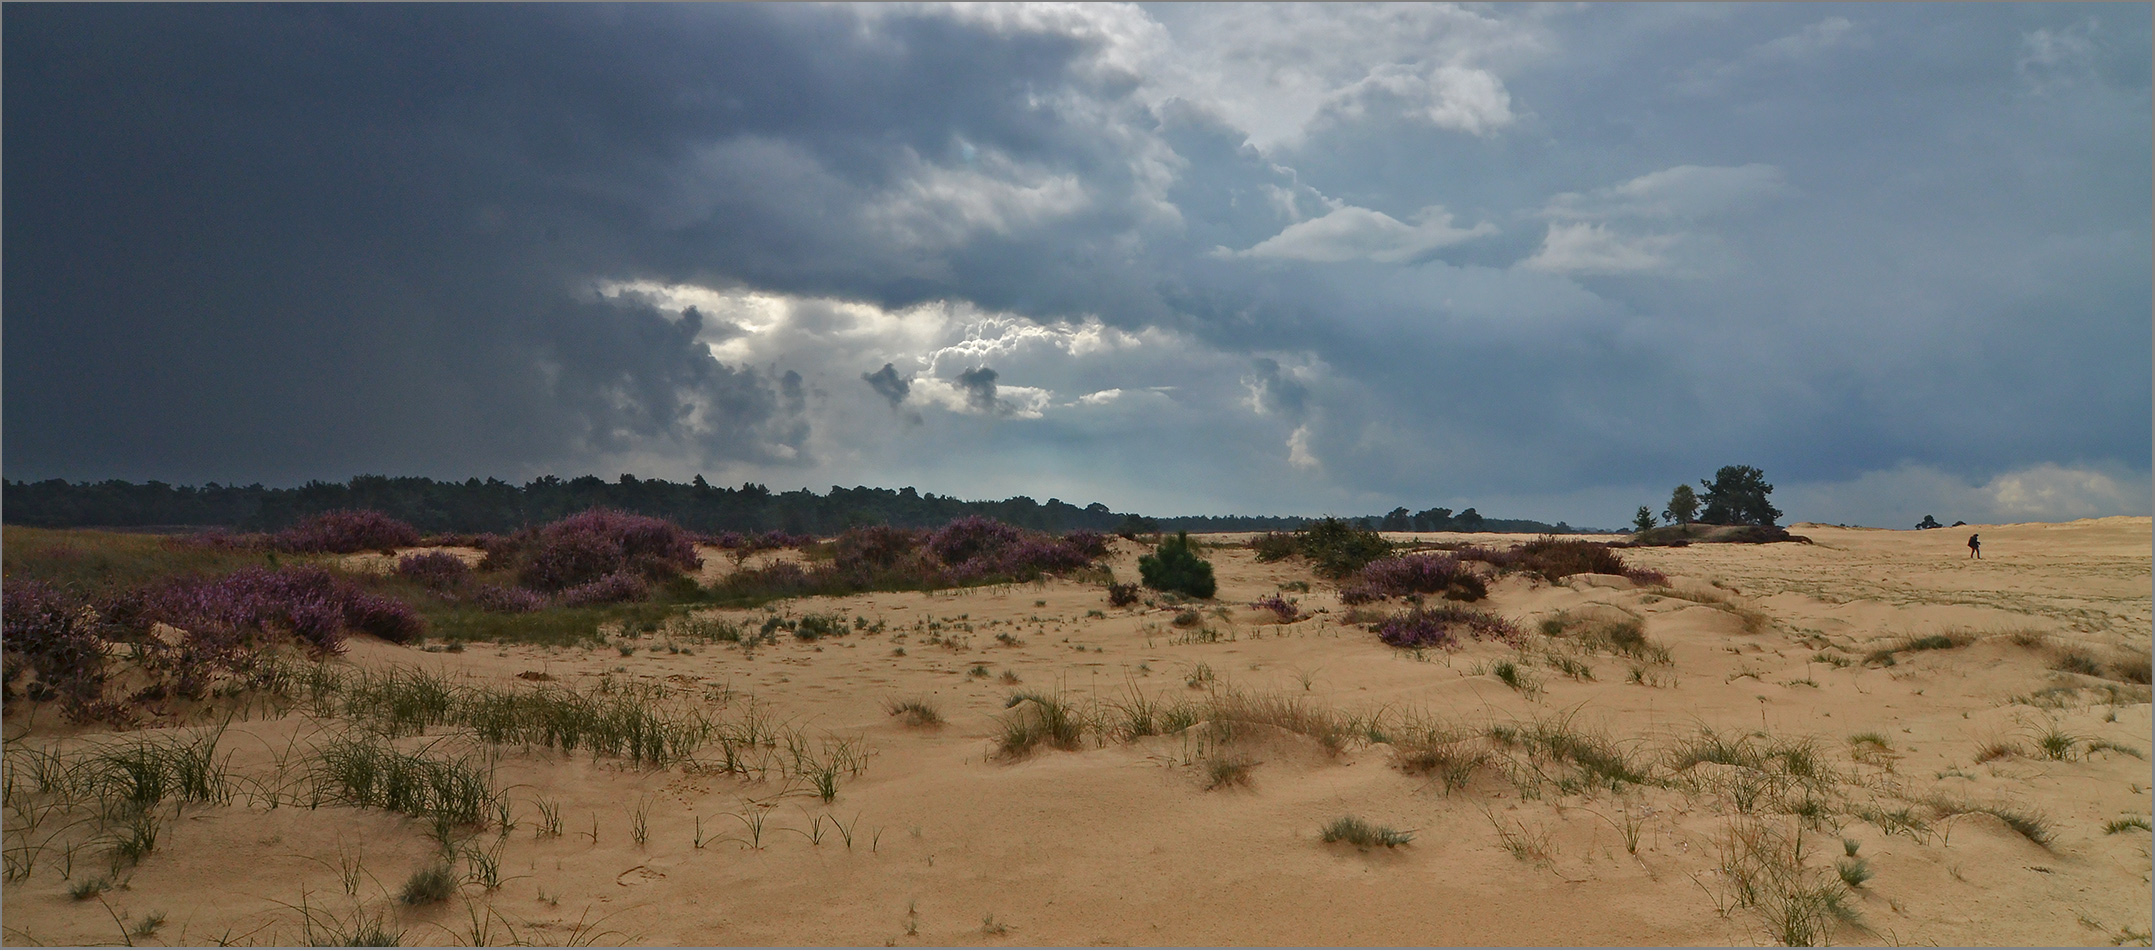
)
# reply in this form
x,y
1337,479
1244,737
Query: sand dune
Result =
x,y
1776,649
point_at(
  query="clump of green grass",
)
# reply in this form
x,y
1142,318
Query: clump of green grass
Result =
x,y
1570,667
1885,656
88,888
1764,868
1361,834
2028,823
2117,826
2057,744
1511,675
1854,872
1625,638
2077,662
917,711
365,770
429,886
1222,770
1036,719
1450,756
1595,759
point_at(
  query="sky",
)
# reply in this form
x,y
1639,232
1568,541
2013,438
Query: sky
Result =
x,y
1546,261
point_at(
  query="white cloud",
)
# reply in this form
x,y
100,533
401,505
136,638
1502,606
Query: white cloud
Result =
x,y
1273,70
1448,96
1299,449
2052,492
1349,233
1592,248
1598,232
936,207
1899,497
2054,58
1808,43
1683,191
1809,46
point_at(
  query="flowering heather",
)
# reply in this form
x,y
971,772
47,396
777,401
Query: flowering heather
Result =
x,y
1412,574
346,531
305,601
1121,593
877,548
591,545
965,539
439,570
46,630
1283,607
612,589
1441,626
1087,542
1553,558
507,600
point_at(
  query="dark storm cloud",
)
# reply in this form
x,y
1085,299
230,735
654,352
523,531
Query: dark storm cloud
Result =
x,y
1529,252
1277,393
889,385
286,242
979,384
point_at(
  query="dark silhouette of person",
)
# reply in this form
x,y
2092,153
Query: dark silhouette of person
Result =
x,y
1974,550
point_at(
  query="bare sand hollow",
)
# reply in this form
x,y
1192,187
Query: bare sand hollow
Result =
x,y
1121,842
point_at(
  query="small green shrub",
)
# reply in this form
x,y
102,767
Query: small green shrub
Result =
x,y
1175,566
917,711
428,886
1362,834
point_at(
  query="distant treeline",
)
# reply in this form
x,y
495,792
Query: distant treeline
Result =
x,y
492,505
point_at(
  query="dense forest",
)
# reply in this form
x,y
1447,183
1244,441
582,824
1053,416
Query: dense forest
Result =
x,y
492,505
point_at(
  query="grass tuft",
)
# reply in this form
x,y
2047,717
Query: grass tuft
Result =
x,y
1356,832
429,886
917,711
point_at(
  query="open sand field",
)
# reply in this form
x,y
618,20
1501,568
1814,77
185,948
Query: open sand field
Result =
x,y
1783,729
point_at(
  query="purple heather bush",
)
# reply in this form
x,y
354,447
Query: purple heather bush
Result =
x,y
965,539
1556,558
346,531
877,548
506,600
1283,607
305,601
1412,574
1122,593
612,589
1087,542
439,570
1441,626
47,631
591,545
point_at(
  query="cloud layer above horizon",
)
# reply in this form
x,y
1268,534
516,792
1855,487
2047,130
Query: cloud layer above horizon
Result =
x,y
1545,261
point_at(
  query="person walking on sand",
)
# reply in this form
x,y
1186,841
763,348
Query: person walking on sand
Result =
x,y
1974,550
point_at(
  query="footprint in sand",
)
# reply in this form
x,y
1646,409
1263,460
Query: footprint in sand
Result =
x,y
640,875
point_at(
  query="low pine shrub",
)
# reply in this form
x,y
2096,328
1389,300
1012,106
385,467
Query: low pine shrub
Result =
x,y
1335,548
1121,594
1175,566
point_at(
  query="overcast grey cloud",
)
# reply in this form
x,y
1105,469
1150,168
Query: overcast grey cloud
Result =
x,y
1546,261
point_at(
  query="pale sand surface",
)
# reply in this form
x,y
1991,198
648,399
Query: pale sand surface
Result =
x,y
1121,843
